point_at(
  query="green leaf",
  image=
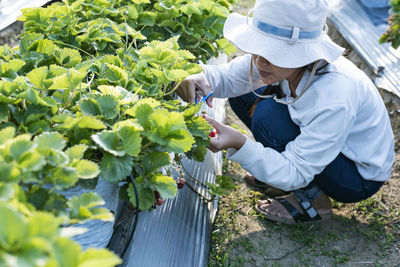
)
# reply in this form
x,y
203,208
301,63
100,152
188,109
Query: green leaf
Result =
x,y
40,219
225,182
109,106
6,134
66,252
86,206
131,140
64,177
38,77
9,172
116,74
19,147
51,140
7,191
31,161
91,123
165,185
110,142
76,152
99,258
198,153
226,46
153,161
87,169
133,13
115,169
145,195
147,18
90,107
180,141
13,228
199,127
68,57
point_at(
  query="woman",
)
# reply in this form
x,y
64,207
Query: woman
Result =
x,y
325,133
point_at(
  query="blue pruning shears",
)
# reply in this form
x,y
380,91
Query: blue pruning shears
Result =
x,y
204,98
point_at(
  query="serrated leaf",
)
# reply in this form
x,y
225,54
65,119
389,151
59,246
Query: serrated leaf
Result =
x,y
40,219
131,140
6,134
19,147
226,46
180,141
110,142
115,169
87,169
177,75
109,106
64,177
38,76
191,110
116,74
13,229
153,161
110,90
145,196
165,185
91,123
31,161
98,257
199,127
76,152
133,13
51,140
90,107
86,206
66,252
68,57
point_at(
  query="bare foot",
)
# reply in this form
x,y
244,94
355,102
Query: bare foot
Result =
x,y
322,205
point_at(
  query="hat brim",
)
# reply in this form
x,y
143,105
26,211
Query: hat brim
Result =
x,y
276,50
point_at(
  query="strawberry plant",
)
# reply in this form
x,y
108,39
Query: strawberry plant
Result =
x,y
88,94
392,34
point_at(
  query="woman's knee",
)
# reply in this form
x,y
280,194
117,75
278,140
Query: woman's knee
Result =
x,y
271,121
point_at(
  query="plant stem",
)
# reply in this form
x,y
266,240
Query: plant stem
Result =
x,y
75,47
187,173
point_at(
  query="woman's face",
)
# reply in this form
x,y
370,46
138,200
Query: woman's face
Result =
x,y
271,73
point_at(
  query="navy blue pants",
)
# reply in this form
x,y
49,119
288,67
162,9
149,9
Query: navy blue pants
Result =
x,y
272,126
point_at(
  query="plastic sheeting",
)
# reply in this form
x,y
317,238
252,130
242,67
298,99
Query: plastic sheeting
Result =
x,y
178,232
10,10
351,20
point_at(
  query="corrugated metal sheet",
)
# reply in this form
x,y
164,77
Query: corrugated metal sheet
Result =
x,y
10,10
353,23
178,232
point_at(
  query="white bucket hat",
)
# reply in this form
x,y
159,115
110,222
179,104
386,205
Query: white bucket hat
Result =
x,y
288,33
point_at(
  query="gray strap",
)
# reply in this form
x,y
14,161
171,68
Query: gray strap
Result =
x,y
305,197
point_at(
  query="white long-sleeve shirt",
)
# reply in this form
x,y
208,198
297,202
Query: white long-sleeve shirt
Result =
x,y
341,111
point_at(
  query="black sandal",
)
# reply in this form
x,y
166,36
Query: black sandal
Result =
x,y
304,197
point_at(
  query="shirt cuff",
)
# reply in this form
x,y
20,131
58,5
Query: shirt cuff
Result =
x,y
245,155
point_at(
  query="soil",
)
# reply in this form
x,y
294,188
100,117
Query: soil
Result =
x,y
359,234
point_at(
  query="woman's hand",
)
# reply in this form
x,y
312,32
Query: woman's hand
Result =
x,y
188,89
226,137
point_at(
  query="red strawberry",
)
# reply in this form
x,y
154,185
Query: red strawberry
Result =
x,y
212,133
160,201
157,195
